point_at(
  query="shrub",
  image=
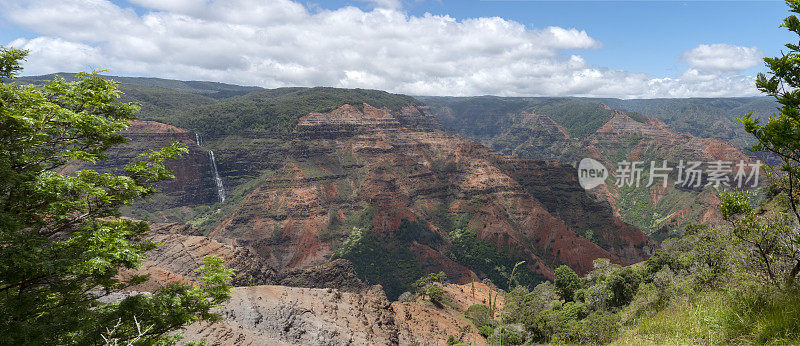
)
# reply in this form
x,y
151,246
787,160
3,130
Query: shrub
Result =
x,y
598,296
506,336
480,314
598,328
574,311
623,284
486,330
567,282
421,285
524,306
405,297
436,295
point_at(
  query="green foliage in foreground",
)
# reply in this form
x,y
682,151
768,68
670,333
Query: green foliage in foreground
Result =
x,y
779,135
733,284
62,242
567,282
705,287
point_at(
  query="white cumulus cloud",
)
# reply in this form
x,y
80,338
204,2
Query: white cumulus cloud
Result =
x,y
723,57
392,4
283,43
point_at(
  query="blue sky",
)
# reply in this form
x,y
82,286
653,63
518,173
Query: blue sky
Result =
x,y
628,49
644,36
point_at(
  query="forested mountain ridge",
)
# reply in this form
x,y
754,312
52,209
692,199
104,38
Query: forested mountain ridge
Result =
x,y
700,117
704,117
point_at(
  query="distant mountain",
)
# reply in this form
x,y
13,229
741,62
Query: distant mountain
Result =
x,y
704,117
212,89
701,117
569,129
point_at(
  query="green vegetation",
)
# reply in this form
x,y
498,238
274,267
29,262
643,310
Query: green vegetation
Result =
x,y
482,316
62,242
484,257
579,117
381,260
276,111
703,117
489,116
486,116
567,282
217,109
736,283
702,287
430,287
776,238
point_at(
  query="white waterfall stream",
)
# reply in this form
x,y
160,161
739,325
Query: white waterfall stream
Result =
x,y
217,179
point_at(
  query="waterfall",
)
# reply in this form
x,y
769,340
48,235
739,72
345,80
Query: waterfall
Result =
x,y
217,179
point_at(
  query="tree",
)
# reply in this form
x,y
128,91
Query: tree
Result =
x,y
427,287
62,241
779,135
567,282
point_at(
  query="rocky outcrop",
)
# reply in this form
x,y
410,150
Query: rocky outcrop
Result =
x,y
259,314
181,250
338,274
279,315
349,120
193,184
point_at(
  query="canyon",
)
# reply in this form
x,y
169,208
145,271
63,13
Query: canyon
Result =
x,y
335,201
361,162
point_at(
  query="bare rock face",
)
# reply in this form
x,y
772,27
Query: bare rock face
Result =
x,y
338,274
301,316
180,253
349,115
193,184
279,315
358,314
182,248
